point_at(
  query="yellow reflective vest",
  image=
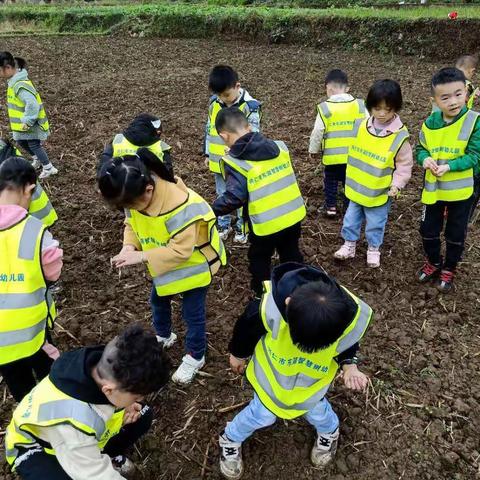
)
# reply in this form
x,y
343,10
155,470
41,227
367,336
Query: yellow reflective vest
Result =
x,y
473,92
446,144
46,406
290,382
41,208
216,145
274,198
341,120
370,166
26,308
122,146
16,107
154,232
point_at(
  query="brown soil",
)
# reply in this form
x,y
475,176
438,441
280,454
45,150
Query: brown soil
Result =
x,y
420,418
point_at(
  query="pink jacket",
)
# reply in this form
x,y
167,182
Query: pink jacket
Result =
x,y
404,158
52,254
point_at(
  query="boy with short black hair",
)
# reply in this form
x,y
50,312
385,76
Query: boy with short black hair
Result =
x,y
260,179
224,83
80,420
303,329
336,126
468,65
449,151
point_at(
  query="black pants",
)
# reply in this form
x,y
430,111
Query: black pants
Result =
x,y
333,174
21,376
261,250
433,216
476,196
42,466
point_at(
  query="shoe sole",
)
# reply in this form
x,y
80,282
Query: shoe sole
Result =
x,y
342,259
228,476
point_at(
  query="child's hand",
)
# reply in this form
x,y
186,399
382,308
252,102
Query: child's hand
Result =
x,y
127,257
354,378
441,169
394,191
430,164
24,127
132,413
237,364
207,162
51,350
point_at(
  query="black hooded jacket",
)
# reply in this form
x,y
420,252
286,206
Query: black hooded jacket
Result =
x,y
254,147
249,328
71,374
141,134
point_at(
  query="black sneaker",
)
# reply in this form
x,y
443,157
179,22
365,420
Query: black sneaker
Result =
x,y
428,272
445,281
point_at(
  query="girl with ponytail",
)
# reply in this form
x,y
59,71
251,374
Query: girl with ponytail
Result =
x,y
28,119
172,230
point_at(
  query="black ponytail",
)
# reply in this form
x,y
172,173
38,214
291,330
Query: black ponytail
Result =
x,y
16,173
122,180
8,60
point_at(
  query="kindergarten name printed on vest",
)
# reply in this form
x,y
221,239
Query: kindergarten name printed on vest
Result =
x,y
375,156
152,241
343,123
270,172
455,151
13,277
297,360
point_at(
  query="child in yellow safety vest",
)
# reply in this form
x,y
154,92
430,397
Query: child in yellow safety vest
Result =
x,y
449,152
379,165
28,119
336,126
304,328
78,422
468,65
227,92
30,258
172,230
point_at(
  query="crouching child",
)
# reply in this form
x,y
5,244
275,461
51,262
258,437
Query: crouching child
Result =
x,y
79,421
304,328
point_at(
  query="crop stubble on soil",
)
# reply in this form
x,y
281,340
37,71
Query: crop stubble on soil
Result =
x,y
420,418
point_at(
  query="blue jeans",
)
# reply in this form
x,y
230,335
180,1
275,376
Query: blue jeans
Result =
x,y
375,220
255,416
225,220
35,147
193,314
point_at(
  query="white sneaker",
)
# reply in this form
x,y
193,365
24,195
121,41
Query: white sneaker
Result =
x,y
36,162
240,237
224,232
231,463
48,172
123,465
188,369
346,251
373,258
167,341
324,448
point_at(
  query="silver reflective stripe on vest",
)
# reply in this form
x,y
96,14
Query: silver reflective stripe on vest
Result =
x,y
276,212
273,187
265,384
421,137
164,146
398,141
74,410
335,151
361,106
365,167
180,274
352,133
273,316
43,212
37,192
239,163
118,138
215,140
289,382
357,332
449,185
281,145
28,240
467,127
11,106
214,157
15,337
11,301
325,110
182,218
362,189
15,120
128,214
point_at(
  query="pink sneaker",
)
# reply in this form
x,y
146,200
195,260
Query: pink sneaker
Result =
x,y
346,251
373,258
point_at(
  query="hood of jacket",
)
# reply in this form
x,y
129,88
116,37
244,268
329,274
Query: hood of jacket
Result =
x,y
254,146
